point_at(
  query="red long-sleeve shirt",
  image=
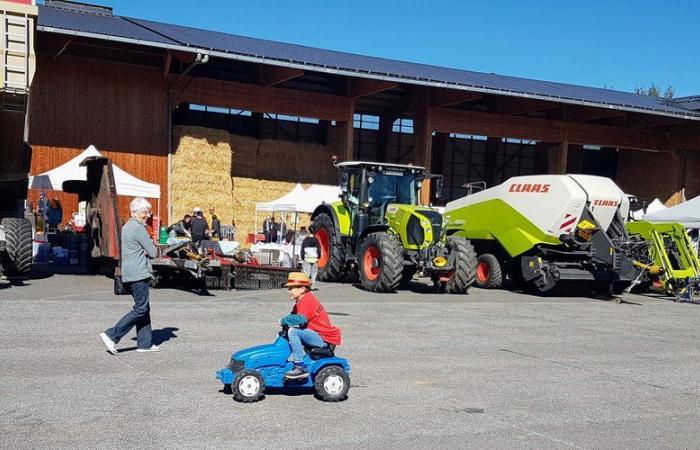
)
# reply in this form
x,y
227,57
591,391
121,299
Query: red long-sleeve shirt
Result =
x,y
317,318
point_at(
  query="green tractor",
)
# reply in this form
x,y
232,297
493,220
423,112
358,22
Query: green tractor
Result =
x,y
379,230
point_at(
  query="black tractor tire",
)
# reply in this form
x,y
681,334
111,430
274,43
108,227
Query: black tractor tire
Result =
x,y
488,272
17,258
463,259
380,261
332,384
334,268
248,386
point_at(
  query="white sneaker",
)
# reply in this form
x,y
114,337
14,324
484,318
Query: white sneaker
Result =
x,y
111,346
154,348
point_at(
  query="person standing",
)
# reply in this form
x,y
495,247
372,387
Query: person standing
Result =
x,y
200,227
215,227
310,253
274,229
266,228
136,272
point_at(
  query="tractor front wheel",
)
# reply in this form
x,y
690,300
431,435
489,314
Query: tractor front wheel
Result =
x,y
381,262
488,272
331,264
248,386
462,257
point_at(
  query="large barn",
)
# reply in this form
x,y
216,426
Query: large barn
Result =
x,y
221,119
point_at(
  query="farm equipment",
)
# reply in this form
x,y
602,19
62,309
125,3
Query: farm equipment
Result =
x,y
379,229
17,63
673,267
206,266
252,370
543,229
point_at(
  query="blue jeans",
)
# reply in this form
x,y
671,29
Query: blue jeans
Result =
x,y
139,316
298,337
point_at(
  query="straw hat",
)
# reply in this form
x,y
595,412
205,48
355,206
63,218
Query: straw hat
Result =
x,y
298,279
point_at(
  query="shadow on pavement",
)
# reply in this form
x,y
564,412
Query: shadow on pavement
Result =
x,y
159,336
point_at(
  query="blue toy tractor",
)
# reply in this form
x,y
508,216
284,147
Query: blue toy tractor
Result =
x,y
264,366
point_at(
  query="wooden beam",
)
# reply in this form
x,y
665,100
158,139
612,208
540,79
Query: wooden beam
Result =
x,y
447,97
557,158
588,113
422,128
166,64
516,105
274,75
362,87
637,121
386,122
486,124
250,97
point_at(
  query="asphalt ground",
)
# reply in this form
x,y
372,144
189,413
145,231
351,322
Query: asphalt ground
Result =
x,y
492,369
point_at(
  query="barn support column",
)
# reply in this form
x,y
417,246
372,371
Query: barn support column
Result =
x,y
423,135
386,121
346,133
557,156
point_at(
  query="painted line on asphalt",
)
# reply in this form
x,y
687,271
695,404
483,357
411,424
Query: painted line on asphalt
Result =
x,y
60,297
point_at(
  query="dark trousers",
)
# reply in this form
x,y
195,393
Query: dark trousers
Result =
x,y
139,316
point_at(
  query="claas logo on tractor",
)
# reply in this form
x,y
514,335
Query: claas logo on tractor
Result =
x,y
605,203
528,187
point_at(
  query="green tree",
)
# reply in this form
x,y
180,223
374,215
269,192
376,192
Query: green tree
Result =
x,y
655,91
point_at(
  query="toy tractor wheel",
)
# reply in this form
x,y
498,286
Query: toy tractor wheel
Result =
x,y
463,258
332,384
488,272
330,261
381,262
248,386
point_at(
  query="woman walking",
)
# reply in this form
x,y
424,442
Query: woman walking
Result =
x,y
136,269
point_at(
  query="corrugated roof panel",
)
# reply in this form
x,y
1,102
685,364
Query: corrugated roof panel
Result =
x,y
97,24
161,33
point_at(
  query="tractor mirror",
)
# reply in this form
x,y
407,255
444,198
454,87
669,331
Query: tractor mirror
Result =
x,y
438,187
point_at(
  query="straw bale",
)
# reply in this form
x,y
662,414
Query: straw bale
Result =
x,y
233,173
201,173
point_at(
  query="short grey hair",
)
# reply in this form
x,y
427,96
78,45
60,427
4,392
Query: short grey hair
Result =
x,y
139,204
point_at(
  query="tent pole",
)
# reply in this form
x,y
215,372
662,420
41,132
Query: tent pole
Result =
x,y
294,241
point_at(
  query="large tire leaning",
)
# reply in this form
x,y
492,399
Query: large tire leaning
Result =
x,y
463,259
331,266
17,258
488,272
381,262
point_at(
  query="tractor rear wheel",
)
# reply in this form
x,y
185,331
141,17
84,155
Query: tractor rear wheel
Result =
x,y
17,258
330,262
488,272
381,262
462,257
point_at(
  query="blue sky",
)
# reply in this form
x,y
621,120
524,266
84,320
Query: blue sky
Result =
x,y
617,44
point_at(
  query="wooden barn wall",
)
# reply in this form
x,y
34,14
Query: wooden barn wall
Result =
x,y
120,109
651,175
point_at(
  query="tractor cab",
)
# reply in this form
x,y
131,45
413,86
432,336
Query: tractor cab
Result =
x,y
368,188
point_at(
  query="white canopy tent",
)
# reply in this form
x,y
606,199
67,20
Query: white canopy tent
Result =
x,y
655,206
687,213
126,183
317,194
287,203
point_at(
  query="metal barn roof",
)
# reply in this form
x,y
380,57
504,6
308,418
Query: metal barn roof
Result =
x,y
123,29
